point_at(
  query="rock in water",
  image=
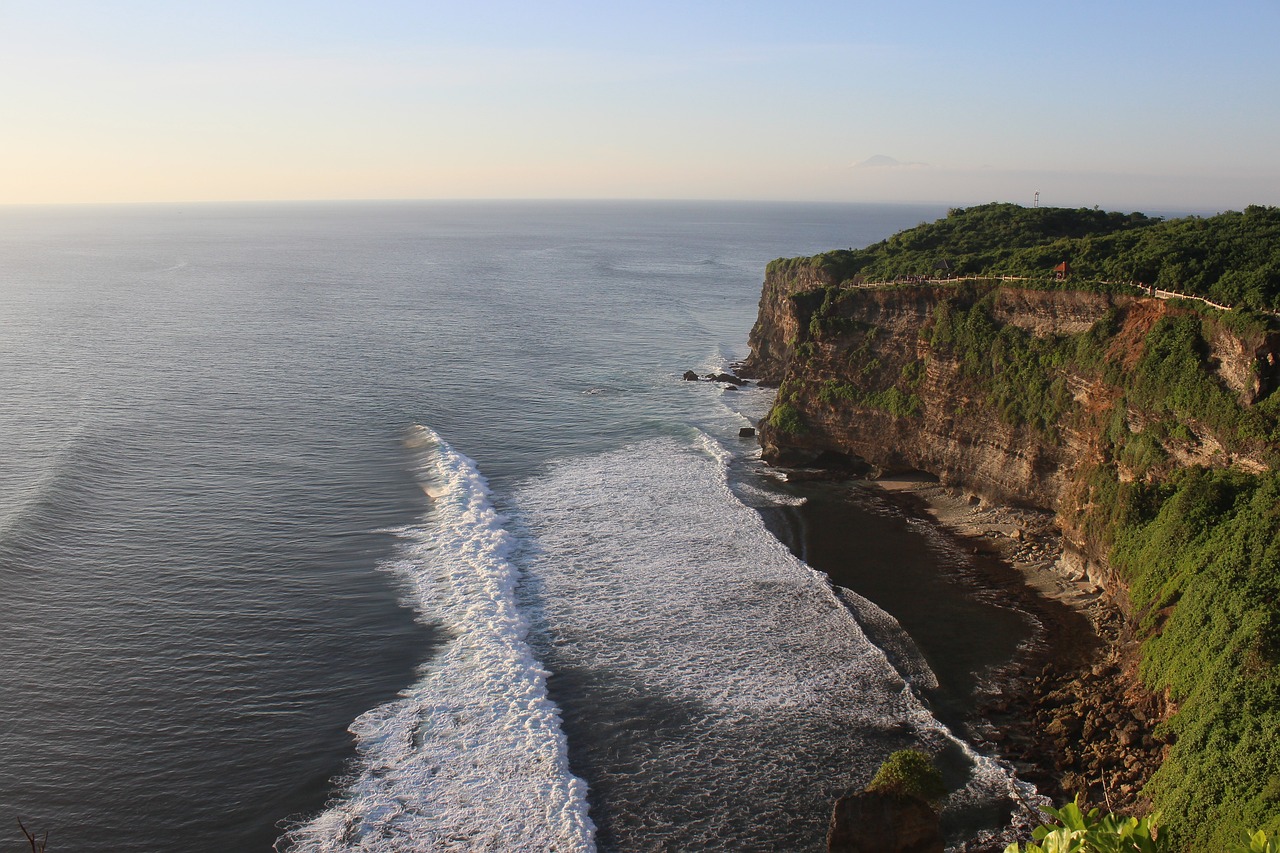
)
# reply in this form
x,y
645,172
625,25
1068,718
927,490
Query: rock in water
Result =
x,y
881,822
747,432
690,376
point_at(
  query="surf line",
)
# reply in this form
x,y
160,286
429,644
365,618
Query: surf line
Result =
x,y
472,756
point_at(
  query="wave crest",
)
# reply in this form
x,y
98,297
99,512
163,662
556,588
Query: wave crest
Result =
x,y
472,756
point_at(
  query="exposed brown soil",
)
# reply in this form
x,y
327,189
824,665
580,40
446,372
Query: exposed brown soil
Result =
x,y
1129,344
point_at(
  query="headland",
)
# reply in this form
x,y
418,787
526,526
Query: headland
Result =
x,y
1118,447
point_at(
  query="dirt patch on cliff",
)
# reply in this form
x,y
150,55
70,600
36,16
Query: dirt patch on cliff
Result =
x,y
1129,343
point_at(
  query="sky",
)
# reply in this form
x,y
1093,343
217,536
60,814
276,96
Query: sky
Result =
x,y
1126,104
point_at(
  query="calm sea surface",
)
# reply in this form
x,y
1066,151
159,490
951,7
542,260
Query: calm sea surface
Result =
x,y
393,527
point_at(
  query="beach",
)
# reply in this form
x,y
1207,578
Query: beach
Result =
x,y
1034,664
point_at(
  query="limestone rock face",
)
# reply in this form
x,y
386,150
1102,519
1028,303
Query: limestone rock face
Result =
x,y
951,438
954,435
833,348
878,822
777,325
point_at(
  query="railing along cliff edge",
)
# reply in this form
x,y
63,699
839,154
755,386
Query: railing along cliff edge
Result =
x,y
1154,292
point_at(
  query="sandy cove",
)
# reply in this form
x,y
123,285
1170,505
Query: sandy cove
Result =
x,y
1070,714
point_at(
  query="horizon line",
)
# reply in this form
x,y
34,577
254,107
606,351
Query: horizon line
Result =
x,y
1190,210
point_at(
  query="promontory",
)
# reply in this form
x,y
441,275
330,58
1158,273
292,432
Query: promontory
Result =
x,y
1117,370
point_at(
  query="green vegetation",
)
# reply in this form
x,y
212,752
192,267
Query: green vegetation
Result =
x,y
1198,547
1232,258
912,773
1259,842
786,419
1171,381
1201,553
825,318
896,402
1022,376
1079,832
1092,832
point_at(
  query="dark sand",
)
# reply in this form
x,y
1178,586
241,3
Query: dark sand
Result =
x,y
979,588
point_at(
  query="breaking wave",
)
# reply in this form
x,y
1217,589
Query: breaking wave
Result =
x,y
472,756
717,693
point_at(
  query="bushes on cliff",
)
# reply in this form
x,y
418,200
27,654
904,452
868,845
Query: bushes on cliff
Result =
x,y
786,418
1201,553
893,400
1173,379
1077,831
1021,376
1200,548
988,238
1232,258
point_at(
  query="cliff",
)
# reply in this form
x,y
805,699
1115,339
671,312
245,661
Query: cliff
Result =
x,y
870,374
1122,414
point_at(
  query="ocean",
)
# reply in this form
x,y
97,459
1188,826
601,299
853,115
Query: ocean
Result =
x,y
393,526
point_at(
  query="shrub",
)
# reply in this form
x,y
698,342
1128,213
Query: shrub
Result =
x,y
785,418
1078,832
1259,842
909,772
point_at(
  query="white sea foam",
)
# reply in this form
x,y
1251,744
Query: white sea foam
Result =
x,y
647,559
472,756
897,645
757,691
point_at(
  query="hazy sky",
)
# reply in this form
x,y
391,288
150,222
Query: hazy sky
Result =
x,y
1126,104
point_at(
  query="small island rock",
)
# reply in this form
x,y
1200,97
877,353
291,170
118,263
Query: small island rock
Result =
x,y
883,822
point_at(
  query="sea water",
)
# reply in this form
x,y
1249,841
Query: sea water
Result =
x,y
392,526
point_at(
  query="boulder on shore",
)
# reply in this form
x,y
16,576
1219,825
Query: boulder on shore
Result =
x,y
883,822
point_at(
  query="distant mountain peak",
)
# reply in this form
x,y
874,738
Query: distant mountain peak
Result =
x,y
884,161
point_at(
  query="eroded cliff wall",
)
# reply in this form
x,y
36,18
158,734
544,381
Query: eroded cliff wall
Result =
x,y
1014,394
1151,429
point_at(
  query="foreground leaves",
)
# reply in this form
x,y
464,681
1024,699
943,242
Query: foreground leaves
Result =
x,y
1092,832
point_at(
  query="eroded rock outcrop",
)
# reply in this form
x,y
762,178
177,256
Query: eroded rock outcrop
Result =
x,y
883,822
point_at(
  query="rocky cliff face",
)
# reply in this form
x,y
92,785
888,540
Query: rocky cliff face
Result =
x,y
865,374
777,327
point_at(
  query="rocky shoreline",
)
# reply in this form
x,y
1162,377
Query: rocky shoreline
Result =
x,y
1070,714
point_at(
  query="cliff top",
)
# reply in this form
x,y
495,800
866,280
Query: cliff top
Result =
x,y
1232,259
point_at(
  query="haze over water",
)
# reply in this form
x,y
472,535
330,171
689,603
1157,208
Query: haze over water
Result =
x,y
273,471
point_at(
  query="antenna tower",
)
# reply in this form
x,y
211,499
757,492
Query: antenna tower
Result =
x,y
1036,203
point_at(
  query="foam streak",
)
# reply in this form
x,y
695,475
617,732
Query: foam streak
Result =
x,y
472,757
